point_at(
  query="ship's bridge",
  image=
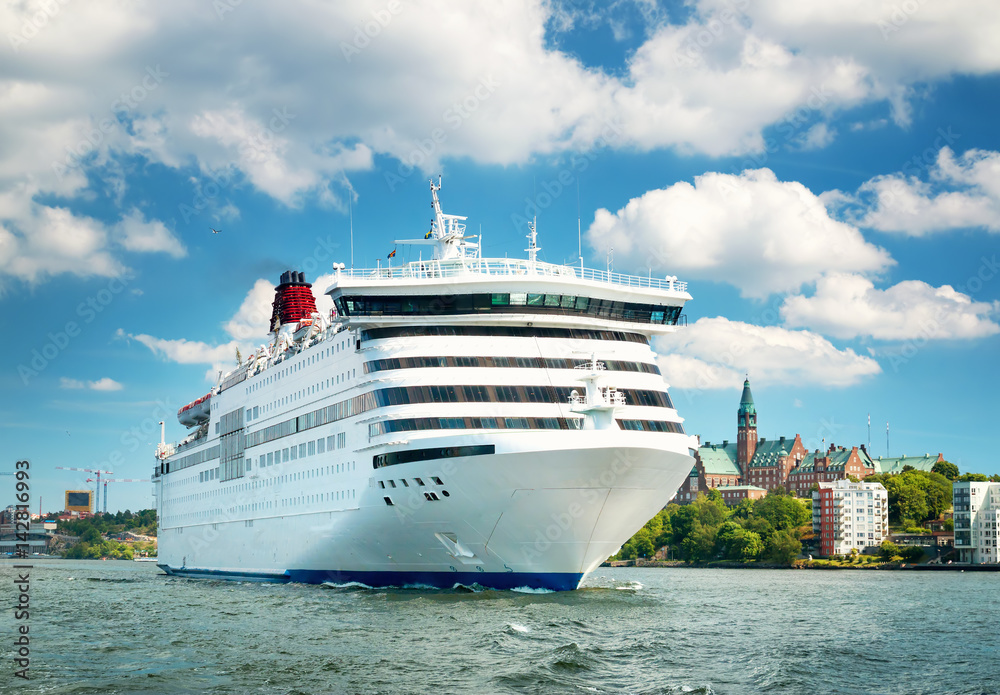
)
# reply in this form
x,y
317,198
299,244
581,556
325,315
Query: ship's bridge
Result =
x,y
457,284
474,290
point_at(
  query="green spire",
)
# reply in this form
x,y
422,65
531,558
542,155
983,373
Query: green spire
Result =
x,y
746,402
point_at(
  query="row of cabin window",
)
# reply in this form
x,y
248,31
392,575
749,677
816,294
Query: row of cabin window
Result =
x,y
514,302
291,369
310,448
502,332
258,411
501,362
405,395
652,426
473,423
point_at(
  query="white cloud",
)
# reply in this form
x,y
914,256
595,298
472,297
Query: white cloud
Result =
x,y
817,137
182,351
899,45
102,82
252,320
103,384
247,328
760,234
715,353
849,306
136,234
959,193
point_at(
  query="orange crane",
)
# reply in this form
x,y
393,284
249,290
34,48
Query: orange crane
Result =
x,y
115,480
97,488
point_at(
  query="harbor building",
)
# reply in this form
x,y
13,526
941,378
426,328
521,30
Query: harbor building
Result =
x,y
834,464
977,513
783,462
886,464
849,516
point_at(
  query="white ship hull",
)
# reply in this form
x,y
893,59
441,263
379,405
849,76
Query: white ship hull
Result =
x,y
538,519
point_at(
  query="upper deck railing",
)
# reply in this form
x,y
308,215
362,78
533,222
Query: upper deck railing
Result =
x,y
506,267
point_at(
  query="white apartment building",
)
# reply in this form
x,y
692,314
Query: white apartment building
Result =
x,y
977,513
849,515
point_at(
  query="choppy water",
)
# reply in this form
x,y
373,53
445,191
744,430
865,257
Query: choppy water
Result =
x,y
122,627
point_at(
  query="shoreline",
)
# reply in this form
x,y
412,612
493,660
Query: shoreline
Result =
x,y
808,565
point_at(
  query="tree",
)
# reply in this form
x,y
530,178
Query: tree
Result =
x,y
971,478
751,546
728,540
888,550
781,510
699,545
912,553
644,546
783,548
946,468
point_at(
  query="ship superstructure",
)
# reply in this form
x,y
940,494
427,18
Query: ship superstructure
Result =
x,y
456,420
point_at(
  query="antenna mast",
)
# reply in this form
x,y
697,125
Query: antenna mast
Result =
x,y
579,234
532,241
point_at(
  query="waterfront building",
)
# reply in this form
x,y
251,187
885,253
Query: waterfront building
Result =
x,y
849,516
782,462
734,494
977,514
834,464
886,464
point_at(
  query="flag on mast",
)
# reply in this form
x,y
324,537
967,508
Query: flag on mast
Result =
x,y
391,253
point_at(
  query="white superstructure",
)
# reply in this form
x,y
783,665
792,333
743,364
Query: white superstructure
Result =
x,y
977,519
459,420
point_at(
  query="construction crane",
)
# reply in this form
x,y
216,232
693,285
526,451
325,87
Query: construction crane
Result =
x,y
97,488
115,480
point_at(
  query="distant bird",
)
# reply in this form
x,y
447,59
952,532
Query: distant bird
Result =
x,y
214,230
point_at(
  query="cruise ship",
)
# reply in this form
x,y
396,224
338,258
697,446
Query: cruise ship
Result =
x,y
457,420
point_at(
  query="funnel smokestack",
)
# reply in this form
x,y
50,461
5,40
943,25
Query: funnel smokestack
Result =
x,y
293,299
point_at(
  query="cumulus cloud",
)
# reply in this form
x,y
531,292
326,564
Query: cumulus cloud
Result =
x,y
103,384
959,192
715,353
849,306
101,83
760,234
247,328
136,234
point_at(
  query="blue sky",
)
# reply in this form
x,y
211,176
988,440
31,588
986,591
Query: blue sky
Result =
x,y
825,176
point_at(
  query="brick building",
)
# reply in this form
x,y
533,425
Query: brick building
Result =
x,y
782,462
834,464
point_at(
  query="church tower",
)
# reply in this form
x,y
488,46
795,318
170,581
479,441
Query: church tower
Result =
x,y
746,437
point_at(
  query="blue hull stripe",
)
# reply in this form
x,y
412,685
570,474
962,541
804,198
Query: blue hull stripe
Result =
x,y
554,581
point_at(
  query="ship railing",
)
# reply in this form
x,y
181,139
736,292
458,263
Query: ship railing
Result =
x,y
507,267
